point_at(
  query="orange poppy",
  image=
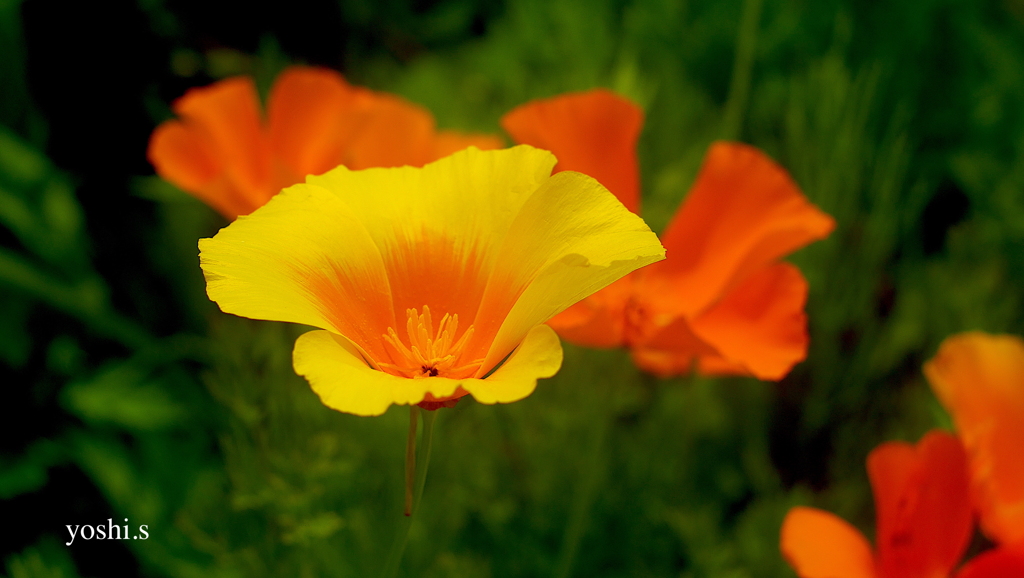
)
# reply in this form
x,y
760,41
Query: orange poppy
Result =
x,y
997,563
225,153
923,516
721,303
980,380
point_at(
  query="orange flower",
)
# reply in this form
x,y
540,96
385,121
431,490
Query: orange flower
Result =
x,y
980,380
225,153
923,513
998,563
721,297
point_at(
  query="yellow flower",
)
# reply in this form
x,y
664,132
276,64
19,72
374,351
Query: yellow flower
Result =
x,y
427,283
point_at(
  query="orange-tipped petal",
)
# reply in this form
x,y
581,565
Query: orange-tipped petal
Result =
x,y
759,328
226,115
998,563
818,544
922,503
310,113
593,132
743,212
980,380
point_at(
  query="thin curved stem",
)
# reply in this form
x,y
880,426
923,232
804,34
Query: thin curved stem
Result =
x,y
415,480
583,500
410,460
609,373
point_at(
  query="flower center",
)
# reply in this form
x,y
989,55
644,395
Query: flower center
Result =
x,y
429,353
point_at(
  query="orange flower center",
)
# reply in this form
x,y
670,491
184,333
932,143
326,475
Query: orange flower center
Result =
x,y
429,353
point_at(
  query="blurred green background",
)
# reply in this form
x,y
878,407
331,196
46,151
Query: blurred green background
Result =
x,y
127,394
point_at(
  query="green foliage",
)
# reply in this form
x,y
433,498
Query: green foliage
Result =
x,y
38,206
44,560
28,472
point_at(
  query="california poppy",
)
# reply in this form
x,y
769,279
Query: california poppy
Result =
x,y
997,563
923,516
721,303
225,153
980,380
427,283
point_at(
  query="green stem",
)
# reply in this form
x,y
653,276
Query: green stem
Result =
x,y
583,500
423,457
742,69
603,411
410,459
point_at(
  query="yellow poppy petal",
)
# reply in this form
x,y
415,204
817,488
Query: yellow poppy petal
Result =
x,y
819,544
439,228
339,375
471,194
571,238
303,258
538,356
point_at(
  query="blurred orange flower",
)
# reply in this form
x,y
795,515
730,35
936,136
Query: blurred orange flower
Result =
x,y
721,298
998,563
225,153
923,515
980,380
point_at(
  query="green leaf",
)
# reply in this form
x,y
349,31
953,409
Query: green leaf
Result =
x,y
28,472
122,393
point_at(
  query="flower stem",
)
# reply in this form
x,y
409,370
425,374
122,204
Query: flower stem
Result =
x,y
610,374
410,459
594,472
415,479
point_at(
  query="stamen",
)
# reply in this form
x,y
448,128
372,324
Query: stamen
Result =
x,y
429,353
